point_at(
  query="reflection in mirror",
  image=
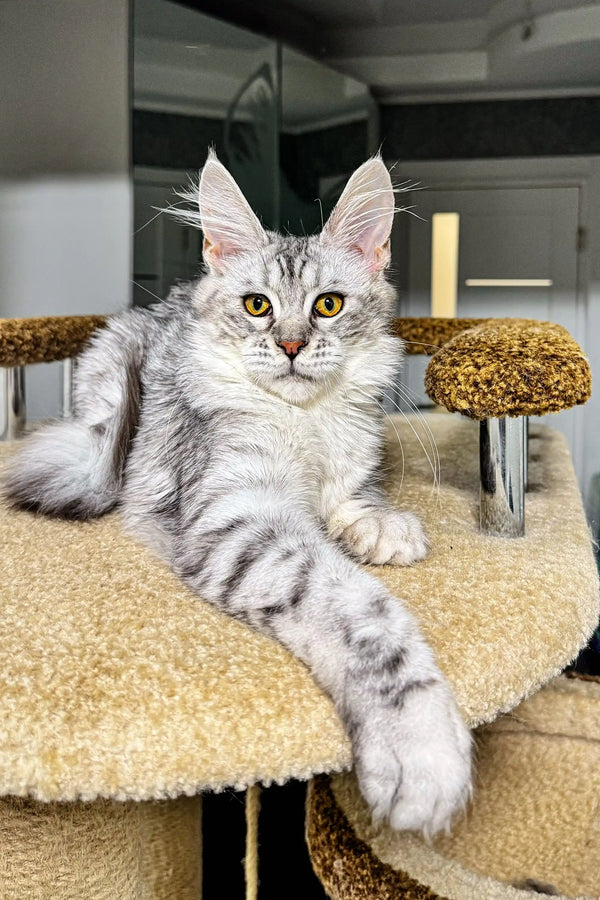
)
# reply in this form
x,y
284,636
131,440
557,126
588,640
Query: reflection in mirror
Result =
x,y
289,129
329,126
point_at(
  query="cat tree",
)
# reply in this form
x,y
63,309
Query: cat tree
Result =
x,y
124,697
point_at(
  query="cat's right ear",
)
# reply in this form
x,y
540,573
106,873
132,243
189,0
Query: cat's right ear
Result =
x,y
229,225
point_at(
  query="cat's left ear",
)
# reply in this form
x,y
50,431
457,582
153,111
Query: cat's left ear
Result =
x,y
362,218
229,225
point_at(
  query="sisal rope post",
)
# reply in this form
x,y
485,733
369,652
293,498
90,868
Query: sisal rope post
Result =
x,y
251,858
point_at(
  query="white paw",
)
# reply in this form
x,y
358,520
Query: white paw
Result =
x,y
386,536
414,766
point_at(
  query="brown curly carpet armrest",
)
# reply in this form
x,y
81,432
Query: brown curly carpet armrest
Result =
x,y
509,367
344,864
45,339
50,338
425,335
482,367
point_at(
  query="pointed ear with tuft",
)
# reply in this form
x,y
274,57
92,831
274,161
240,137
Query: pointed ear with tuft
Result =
x,y
229,225
362,218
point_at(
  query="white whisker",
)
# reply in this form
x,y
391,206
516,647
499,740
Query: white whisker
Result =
x,y
160,212
142,288
432,456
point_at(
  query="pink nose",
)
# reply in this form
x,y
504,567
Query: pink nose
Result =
x,y
291,347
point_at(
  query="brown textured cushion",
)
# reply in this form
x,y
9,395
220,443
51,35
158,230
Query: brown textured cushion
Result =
x,y
45,339
533,819
509,367
426,334
116,681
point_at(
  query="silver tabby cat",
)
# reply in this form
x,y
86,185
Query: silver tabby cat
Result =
x,y
237,428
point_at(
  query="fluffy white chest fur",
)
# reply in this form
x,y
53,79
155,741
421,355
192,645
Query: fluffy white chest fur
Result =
x,y
334,443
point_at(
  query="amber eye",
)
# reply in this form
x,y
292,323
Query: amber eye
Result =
x,y
328,304
257,304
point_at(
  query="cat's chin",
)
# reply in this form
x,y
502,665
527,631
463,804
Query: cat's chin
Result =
x,y
296,389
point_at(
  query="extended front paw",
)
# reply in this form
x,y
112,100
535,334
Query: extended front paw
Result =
x,y
414,767
386,536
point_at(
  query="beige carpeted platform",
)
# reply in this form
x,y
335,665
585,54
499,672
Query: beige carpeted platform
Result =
x,y
534,819
117,682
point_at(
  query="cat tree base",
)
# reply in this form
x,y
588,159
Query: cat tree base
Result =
x,y
101,850
531,829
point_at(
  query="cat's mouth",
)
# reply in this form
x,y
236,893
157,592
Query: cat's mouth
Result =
x,y
294,374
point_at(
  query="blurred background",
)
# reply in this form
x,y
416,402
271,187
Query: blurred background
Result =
x,y
488,111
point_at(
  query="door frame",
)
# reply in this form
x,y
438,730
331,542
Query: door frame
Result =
x,y
582,172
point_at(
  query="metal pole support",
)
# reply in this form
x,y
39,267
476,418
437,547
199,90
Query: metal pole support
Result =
x,y
502,449
13,396
67,373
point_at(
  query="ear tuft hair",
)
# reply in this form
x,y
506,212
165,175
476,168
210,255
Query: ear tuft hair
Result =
x,y
363,216
223,213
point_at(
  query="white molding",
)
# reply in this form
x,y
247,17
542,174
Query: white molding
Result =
x,y
154,175
470,66
168,106
391,40
558,51
390,99
325,122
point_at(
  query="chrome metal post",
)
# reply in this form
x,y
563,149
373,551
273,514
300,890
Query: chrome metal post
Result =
x,y
67,372
13,391
526,455
501,463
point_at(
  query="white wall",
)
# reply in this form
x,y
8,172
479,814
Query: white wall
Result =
x,y
65,194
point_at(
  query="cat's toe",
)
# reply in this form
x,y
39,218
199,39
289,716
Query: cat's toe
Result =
x,y
362,536
402,541
386,537
430,803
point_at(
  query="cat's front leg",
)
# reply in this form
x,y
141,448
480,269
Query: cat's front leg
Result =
x,y
263,559
375,533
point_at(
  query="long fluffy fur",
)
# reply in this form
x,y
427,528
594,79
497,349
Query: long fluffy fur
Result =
x,y
256,475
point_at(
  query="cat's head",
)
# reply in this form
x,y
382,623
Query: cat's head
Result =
x,y
299,315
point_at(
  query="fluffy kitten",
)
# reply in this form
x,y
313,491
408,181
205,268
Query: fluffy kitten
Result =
x,y
237,428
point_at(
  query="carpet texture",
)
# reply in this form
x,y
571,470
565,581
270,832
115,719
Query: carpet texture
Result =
x,y
534,819
509,367
45,339
100,851
115,681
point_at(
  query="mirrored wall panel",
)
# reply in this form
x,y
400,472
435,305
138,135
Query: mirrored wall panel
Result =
x,y
289,129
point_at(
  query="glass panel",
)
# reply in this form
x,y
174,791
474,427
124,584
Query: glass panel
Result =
x,y
329,126
198,82
289,129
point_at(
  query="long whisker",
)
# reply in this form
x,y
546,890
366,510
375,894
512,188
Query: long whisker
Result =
x,y
433,462
432,457
400,444
159,213
404,393
141,286
374,400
